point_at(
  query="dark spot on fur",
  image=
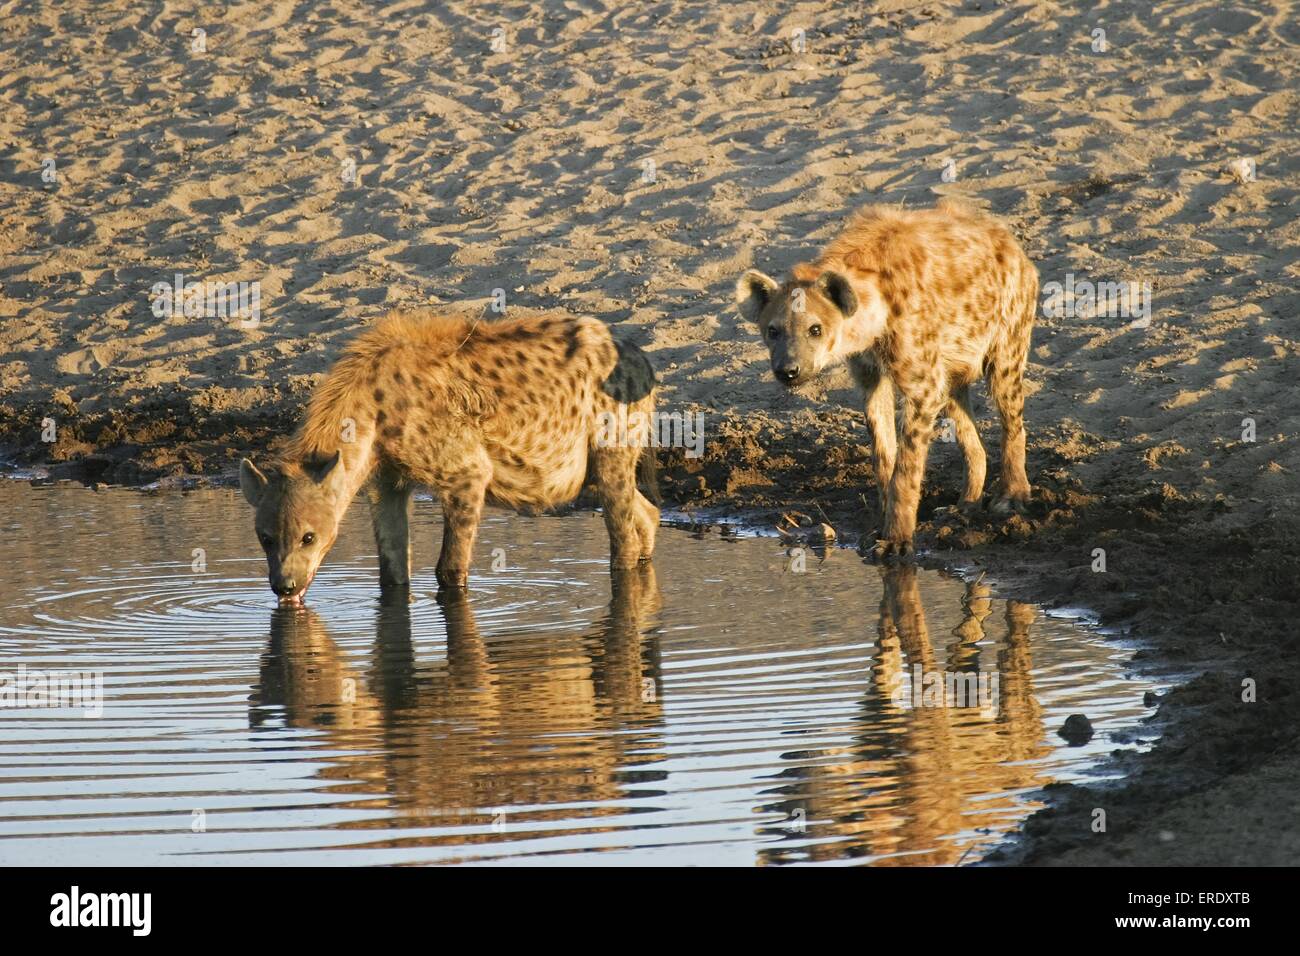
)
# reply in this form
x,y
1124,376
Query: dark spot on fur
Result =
x,y
632,378
379,395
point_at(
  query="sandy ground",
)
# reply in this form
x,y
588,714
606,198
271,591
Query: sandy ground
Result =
x,y
628,161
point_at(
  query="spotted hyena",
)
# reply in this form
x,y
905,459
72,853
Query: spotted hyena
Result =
x,y
922,302
509,412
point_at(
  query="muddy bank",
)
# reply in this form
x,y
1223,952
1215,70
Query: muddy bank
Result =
x,y
1203,588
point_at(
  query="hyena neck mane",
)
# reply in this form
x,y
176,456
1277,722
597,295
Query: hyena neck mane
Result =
x,y
370,385
334,424
342,416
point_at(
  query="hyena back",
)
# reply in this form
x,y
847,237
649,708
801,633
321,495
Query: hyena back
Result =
x,y
506,412
921,303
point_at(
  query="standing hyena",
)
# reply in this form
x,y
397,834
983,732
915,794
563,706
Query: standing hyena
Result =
x,y
509,412
923,301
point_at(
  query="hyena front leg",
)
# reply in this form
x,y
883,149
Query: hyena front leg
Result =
x,y
462,494
626,514
879,390
919,414
972,448
390,513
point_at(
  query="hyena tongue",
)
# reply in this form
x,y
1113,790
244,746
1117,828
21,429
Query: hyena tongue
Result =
x,y
295,600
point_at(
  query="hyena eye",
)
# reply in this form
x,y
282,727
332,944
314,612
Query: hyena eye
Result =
x,y
309,537
267,541
773,332
815,331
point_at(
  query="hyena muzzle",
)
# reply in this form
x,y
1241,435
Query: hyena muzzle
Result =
x,y
509,412
919,303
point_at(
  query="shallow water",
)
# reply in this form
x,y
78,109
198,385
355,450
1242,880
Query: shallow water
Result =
x,y
720,707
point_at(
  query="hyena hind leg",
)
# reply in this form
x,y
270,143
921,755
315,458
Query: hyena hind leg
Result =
x,y
1006,387
627,511
648,526
462,499
972,449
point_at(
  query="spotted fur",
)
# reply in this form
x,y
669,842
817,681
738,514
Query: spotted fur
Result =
x,y
488,412
921,303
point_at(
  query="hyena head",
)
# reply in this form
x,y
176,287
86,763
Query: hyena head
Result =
x,y
811,321
297,510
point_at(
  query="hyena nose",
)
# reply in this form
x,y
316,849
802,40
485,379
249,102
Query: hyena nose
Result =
x,y
284,587
787,373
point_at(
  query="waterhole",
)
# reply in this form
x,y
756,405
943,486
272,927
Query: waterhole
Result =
x,y
732,704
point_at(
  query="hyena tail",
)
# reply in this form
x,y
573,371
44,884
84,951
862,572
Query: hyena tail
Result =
x,y
647,475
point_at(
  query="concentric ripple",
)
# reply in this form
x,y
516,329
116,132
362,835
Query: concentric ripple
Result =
x,y
730,704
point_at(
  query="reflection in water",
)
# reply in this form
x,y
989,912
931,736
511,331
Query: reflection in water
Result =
x,y
722,706
523,723
930,758
538,724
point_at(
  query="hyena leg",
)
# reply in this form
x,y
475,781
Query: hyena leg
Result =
x,y
625,517
972,448
879,389
390,512
919,416
1006,386
462,497
647,526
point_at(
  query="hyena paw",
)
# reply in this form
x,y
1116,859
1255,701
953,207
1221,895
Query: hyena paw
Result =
x,y
886,550
452,580
1010,504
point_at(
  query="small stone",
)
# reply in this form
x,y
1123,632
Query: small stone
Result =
x,y
1076,730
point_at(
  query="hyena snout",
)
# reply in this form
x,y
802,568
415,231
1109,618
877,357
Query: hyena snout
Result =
x,y
283,585
292,576
791,362
786,374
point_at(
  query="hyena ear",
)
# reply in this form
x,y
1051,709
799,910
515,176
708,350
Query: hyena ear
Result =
x,y
251,482
754,291
323,469
836,289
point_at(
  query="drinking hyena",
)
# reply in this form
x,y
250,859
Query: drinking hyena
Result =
x,y
923,302
507,412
